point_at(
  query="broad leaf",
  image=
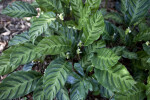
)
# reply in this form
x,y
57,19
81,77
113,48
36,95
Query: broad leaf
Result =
x,y
23,54
95,46
18,84
143,36
63,94
104,59
106,93
93,4
137,9
116,78
41,24
19,39
146,49
53,45
115,17
93,29
80,90
137,92
77,6
51,5
148,88
5,66
20,9
38,93
129,55
55,77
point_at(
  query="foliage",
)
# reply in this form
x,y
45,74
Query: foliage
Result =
x,y
91,52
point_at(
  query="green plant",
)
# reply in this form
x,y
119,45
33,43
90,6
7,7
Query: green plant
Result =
x,y
88,51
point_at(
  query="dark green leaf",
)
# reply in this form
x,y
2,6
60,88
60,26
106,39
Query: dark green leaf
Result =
x,y
20,9
116,78
55,77
18,84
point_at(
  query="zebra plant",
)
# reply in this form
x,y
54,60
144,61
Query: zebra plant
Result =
x,y
85,54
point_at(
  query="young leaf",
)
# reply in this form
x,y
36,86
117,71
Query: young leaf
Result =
x,y
20,39
104,59
51,5
23,54
18,84
53,45
63,94
116,78
77,6
93,29
41,24
137,92
55,77
20,9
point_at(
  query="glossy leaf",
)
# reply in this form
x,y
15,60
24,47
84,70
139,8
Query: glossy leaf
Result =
x,y
143,36
23,54
76,6
137,92
5,66
104,59
116,78
38,93
55,77
51,5
19,39
93,4
41,24
93,29
18,84
20,9
62,94
53,45
137,9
